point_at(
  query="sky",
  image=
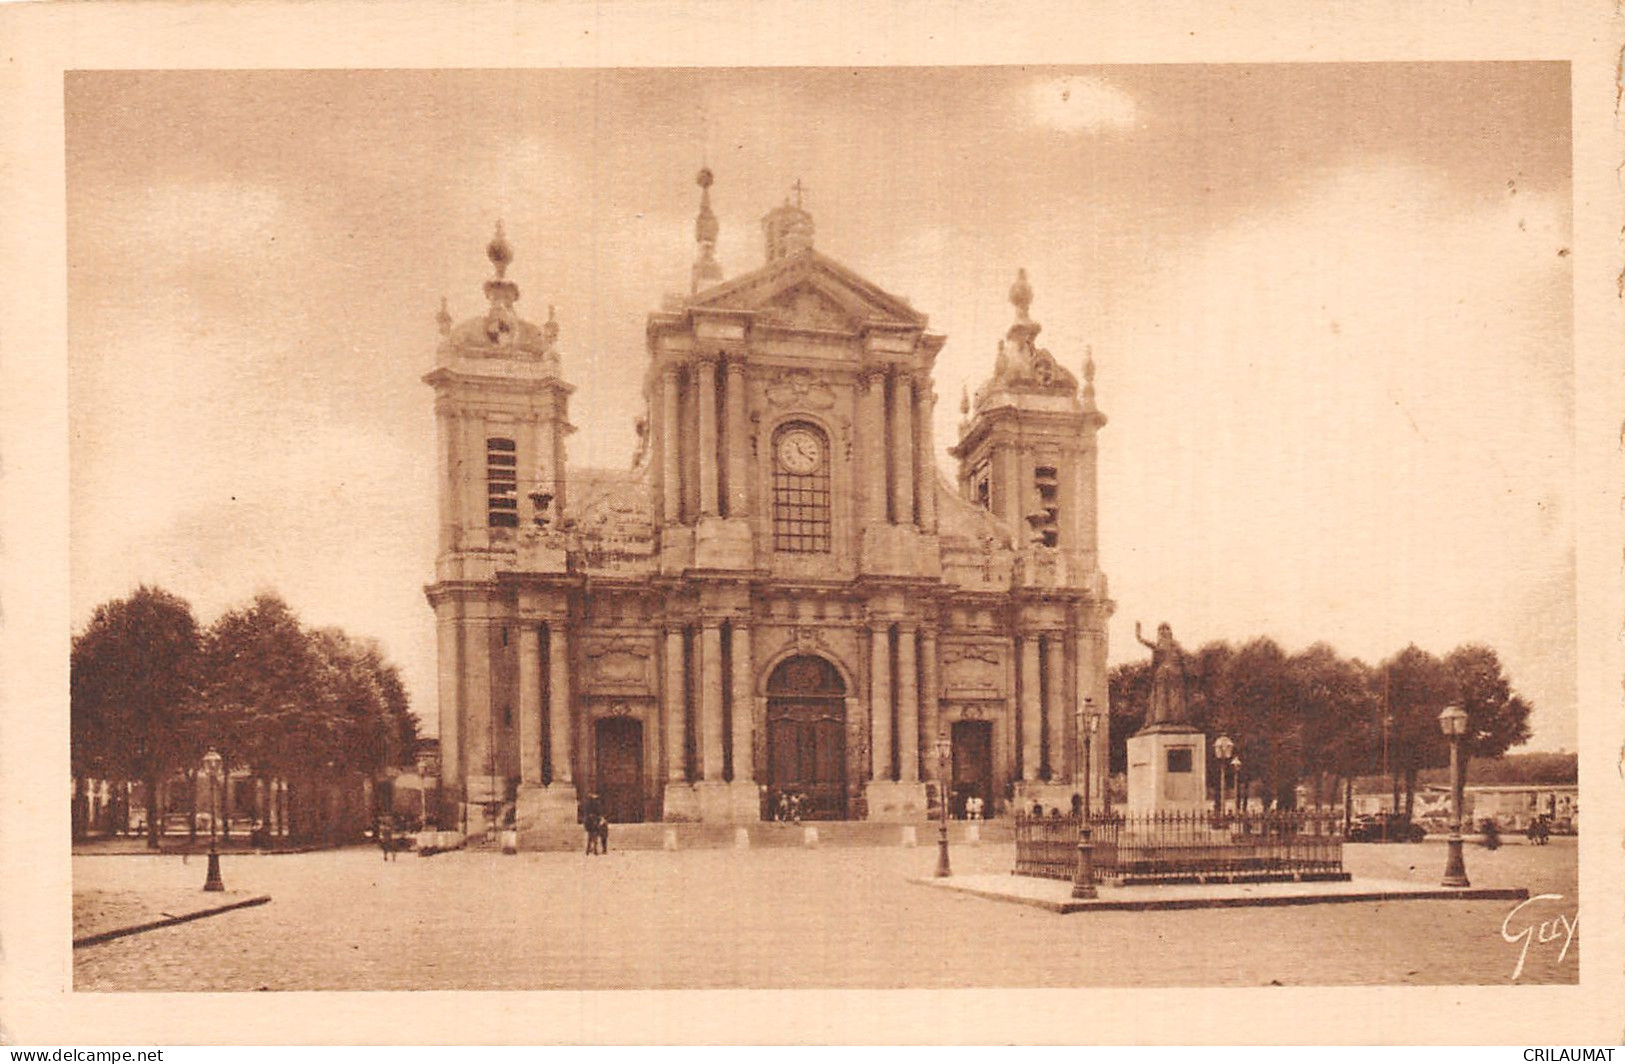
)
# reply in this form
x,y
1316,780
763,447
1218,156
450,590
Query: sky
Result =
x,y
1329,306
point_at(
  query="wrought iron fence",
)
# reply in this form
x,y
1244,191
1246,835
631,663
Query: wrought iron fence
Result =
x,y
1166,847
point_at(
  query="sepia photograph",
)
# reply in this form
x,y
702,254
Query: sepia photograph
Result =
x,y
822,528
868,524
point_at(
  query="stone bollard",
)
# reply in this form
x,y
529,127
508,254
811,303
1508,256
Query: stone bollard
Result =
x,y
510,841
809,836
973,833
910,836
669,840
741,839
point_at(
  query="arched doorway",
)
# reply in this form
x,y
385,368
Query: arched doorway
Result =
x,y
806,736
618,745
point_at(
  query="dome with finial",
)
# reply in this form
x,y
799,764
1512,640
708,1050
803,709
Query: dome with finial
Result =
x,y
788,228
707,270
1021,365
499,251
499,332
1021,293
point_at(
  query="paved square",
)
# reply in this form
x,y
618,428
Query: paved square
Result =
x,y
788,918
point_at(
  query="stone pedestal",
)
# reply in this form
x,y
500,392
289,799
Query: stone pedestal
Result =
x,y
899,550
1167,769
679,804
1048,795
890,801
722,543
728,803
543,808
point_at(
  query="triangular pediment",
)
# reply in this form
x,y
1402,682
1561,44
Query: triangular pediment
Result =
x,y
809,291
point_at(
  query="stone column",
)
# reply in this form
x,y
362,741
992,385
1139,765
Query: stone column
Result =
x,y
744,704
706,371
871,476
880,701
902,449
674,697
446,445
1055,713
1032,721
477,723
535,450
925,455
530,703
738,490
670,448
930,705
1083,503
472,470
908,715
560,703
711,700
1018,486
448,638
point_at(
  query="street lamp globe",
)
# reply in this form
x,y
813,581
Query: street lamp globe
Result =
x,y
213,764
1224,747
945,750
1453,721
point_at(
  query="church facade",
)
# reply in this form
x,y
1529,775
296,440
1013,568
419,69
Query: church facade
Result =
x,y
783,594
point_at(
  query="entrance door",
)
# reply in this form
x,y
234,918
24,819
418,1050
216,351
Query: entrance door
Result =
x,y
619,744
806,737
973,764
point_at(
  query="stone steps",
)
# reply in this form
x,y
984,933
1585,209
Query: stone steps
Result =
x,y
836,833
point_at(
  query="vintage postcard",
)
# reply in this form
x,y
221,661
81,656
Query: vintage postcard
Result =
x,y
930,529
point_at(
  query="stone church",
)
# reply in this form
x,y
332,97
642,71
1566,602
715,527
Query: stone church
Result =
x,y
784,594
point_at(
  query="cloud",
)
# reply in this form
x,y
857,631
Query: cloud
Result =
x,y
1082,104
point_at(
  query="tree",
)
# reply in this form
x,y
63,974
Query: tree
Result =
x,y
309,707
264,693
1259,691
1417,687
133,677
1497,719
1129,689
1336,711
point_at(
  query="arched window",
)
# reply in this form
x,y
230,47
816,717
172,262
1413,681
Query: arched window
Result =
x,y
501,483
801,489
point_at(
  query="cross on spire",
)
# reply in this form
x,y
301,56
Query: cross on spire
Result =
x,y
799,189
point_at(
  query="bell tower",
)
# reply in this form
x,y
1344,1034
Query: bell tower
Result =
x,y
501,416
1027,454
1026,448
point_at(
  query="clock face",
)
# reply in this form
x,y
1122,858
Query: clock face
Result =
x,y
800,451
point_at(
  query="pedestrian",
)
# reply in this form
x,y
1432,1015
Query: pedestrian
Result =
x,y
592,812
386,836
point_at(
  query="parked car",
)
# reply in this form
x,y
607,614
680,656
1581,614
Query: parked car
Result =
x,y
1385,827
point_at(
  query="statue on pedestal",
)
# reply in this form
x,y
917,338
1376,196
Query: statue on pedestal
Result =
x,y
1170,703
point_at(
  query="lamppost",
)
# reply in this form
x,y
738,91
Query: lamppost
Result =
x,y
1235,767
1453,722
1223,747
945,748
1083,878
212,764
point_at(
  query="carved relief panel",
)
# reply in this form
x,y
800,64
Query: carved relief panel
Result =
x,y
620,665
973,671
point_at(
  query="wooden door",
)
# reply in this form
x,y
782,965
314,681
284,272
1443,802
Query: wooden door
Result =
x,y
973,764
619,744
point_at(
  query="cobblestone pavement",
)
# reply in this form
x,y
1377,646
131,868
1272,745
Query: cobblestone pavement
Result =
x,y
786,919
